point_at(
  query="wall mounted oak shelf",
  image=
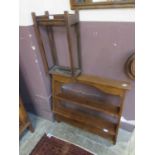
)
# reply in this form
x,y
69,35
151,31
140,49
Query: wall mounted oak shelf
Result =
x,y
104,126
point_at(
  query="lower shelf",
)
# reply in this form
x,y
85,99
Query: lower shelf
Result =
x,y
98,123
85,127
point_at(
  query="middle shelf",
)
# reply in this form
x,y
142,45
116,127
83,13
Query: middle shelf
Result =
x,y
99,106
100,123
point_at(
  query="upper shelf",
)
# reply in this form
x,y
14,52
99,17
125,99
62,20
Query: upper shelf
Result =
x,y
106,82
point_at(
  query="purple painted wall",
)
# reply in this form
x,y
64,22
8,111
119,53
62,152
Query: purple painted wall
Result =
x,y
35,85
105,48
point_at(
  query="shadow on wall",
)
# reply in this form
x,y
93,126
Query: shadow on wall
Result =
x,y
24,93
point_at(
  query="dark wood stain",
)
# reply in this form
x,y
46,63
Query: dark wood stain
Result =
x,y
97,125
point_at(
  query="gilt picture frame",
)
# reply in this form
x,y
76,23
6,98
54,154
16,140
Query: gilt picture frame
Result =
x,y
101,4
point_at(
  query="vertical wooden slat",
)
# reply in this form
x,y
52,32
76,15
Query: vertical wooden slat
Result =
x,y
69,42
40,42
52,42
77,30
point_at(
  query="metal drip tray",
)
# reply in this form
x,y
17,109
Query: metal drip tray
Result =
x,y
64,71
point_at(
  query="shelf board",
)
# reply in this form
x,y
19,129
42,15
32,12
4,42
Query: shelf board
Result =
x,y
98,123
87,103
85,127
123,85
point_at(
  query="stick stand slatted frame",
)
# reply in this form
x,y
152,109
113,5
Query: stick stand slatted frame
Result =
x,y
65,20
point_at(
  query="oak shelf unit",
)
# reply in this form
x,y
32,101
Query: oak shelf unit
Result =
x,y
93,123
